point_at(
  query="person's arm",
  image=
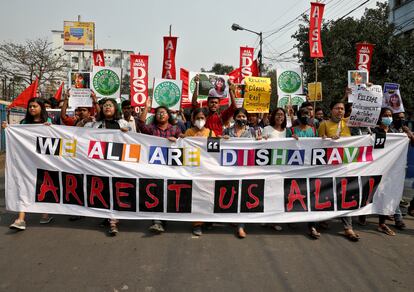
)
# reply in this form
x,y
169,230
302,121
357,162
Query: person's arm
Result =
x,y
322,130
65,105
95,104
232,88
195,93
144,111
410,134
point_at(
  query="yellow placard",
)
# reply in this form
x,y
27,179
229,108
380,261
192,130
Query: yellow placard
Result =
x,y
257,94
78,36
315,91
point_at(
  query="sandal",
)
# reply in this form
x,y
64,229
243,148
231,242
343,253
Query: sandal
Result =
x,y
241,233
385,229
113,230
314,233
351,235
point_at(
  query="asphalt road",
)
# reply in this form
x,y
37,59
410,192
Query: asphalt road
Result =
x,y
79,256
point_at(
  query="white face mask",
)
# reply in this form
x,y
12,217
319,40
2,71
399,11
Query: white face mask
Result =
x,y
199,124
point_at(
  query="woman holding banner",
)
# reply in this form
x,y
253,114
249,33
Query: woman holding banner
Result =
x,y
240,130
198,120
160,127
277,125
110,118
35,114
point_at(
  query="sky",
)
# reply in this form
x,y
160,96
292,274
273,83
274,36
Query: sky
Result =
x,y
203,28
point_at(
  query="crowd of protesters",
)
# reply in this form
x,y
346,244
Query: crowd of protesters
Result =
x,y
230,122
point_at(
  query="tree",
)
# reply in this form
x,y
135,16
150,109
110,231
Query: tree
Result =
x,y
35,58
219,69
392,59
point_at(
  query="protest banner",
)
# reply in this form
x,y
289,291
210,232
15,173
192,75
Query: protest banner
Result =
x,y
139,80
366,107
78,36
392,97
167,93
80,97
315,24
356,78
80,79
289,81
315,91
364,56
246,61
168,64
293,100
257,94
108,174
209,84
98,58
106,82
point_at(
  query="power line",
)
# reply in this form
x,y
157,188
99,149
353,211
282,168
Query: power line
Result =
x,y
359,6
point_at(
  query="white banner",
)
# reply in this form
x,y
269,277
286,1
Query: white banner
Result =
x,y
110,174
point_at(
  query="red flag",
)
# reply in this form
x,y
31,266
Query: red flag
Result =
x,y
168,65
364,56
58,94
23,98
139,80
315,19
255,69
98,58
246,61
235,75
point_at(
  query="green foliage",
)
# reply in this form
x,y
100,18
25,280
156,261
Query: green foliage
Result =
x,y
219,69
392,58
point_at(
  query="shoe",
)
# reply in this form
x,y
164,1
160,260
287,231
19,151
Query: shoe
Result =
x,y
156,228
18,225
351,235
400,225
241,233
197,231
314,233
385,229
46,220
113,230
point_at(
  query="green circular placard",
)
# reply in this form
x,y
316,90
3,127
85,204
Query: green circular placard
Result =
x,y
106,82
289,81
167,94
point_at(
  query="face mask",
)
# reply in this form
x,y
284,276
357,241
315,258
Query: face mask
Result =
x,y
304,120
241,123
174,116
386,121
199,124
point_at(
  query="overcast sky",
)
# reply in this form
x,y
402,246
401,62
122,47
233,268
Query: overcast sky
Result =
x,y
203,27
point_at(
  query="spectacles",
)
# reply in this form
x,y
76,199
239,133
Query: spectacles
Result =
x,y
108,105
161,114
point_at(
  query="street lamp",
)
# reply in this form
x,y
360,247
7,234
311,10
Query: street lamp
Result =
x,y
236,27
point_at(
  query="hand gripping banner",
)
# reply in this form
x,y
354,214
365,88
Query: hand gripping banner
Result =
x,y
315,23
110,174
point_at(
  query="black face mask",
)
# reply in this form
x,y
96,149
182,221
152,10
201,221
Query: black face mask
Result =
x,y
304,120
399,123
241,123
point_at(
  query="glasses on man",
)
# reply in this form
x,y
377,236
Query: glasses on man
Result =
x,y
161,114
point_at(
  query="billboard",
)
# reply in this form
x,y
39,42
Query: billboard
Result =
x,y
78,36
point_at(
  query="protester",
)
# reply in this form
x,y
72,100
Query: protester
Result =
x,y
216,120
83,115
198,120
160,127
110,118
240,130
277,124
177,119
319,114
254,122
312,121
335,128
127,114
35,114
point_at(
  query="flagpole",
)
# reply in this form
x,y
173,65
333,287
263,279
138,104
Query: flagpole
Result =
x,y
316,82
